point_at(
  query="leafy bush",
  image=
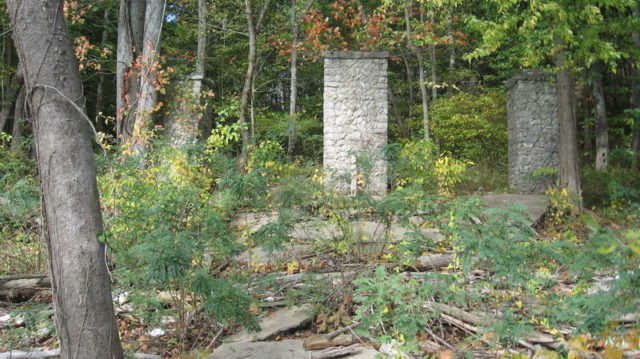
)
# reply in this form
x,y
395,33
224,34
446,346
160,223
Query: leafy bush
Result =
x,y
472,127
605,188
166,229
419,164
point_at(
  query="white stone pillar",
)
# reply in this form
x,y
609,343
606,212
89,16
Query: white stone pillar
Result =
x,y
355,121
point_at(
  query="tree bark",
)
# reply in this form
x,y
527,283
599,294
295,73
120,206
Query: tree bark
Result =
x,y
602,128
130,36
148,97
569,176
80,280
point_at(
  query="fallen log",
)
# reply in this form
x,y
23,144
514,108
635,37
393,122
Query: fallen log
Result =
x,y
432,262
24,281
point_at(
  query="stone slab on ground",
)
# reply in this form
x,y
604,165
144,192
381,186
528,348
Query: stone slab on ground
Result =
x,y
286,349
536,204
278,322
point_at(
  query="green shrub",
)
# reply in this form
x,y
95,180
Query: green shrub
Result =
x,y
166,228
605,188
472,127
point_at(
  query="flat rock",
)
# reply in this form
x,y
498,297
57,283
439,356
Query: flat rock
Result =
x,y
260,350
286,349
278,322
536,204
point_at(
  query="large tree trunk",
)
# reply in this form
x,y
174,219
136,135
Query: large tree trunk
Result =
x,y
602,128
130,35
80,280
148,98
569,176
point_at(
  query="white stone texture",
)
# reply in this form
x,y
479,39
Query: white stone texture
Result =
x,y
355,121
533,130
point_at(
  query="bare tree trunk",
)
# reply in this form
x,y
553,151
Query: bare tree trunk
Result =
x,y
81,288
102,76
14,88
148,98
602,128
293,86
434,73
396,113
423,86
18,122
452,44
253,26
130,36
569,177
635,99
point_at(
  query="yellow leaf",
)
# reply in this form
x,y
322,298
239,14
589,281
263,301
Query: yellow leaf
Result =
x,y
612,352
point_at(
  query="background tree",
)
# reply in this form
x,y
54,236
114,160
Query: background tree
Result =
x,y
80,280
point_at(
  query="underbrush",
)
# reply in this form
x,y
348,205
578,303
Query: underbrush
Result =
x,y
176,222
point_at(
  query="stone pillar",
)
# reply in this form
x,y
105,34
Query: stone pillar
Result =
x,y
355,121
533,130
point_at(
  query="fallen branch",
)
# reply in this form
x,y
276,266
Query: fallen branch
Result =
x,y
53,353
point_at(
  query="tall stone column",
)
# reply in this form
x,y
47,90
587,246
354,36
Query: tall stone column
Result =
x,y
355,121
534,132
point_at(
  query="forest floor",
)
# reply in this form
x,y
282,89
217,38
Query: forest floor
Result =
x,y
306,297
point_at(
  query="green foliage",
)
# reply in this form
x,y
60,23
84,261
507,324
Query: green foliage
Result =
x,y
419,164
616,186
472,126
390,307
166,230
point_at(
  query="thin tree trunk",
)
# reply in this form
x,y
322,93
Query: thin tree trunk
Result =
x,y
102,76
293,85
602,128
635,99
434,70
434,73
130,36
14,88
253,26
421,79
81,289
396,113
569,176
452,44
18,122
148,98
